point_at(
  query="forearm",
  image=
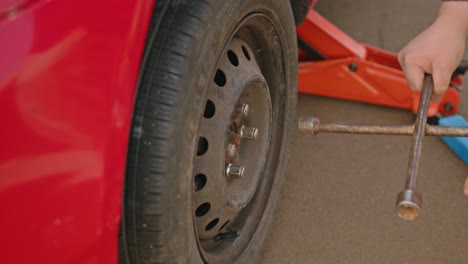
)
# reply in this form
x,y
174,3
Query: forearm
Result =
x,y
455,14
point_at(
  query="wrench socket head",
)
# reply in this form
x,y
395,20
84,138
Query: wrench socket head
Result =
x,y
408,204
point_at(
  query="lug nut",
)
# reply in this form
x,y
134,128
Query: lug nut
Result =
x,y
231,150
234,171
245,110
249,132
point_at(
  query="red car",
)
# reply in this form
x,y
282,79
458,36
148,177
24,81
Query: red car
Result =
x,y
141,131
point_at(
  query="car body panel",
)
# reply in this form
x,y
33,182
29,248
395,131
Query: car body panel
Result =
x,y
10,6
68,77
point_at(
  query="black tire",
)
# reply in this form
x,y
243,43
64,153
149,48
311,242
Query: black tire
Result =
x,y
158,214
300,9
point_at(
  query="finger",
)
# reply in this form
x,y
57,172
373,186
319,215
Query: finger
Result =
x,y
465,189
441,82
414,75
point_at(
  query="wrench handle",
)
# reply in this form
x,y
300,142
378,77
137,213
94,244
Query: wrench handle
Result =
x,y
409,202
419,131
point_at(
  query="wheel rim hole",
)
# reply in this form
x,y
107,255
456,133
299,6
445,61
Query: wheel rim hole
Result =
x,y
246,52
203,210
211,224
233,58
202,146
199,182
209,109
220,78
224,225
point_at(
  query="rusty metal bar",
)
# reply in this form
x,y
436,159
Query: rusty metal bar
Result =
x,y
313,126
409,201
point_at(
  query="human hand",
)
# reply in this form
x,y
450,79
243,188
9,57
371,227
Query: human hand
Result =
x,y
438,50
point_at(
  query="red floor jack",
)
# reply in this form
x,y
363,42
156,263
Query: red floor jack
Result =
x,y
333,64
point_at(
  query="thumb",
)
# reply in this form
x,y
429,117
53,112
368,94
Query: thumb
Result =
x,y
441,82
414,75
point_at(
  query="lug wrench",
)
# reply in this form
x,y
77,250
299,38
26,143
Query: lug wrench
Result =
x,y
409,202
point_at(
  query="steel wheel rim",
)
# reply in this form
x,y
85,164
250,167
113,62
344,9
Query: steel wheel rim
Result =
x,y
223,236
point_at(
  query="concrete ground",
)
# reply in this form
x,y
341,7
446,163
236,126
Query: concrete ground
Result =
x,y
337,204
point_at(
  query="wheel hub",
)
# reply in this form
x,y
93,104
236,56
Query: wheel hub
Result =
x,y
248,134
